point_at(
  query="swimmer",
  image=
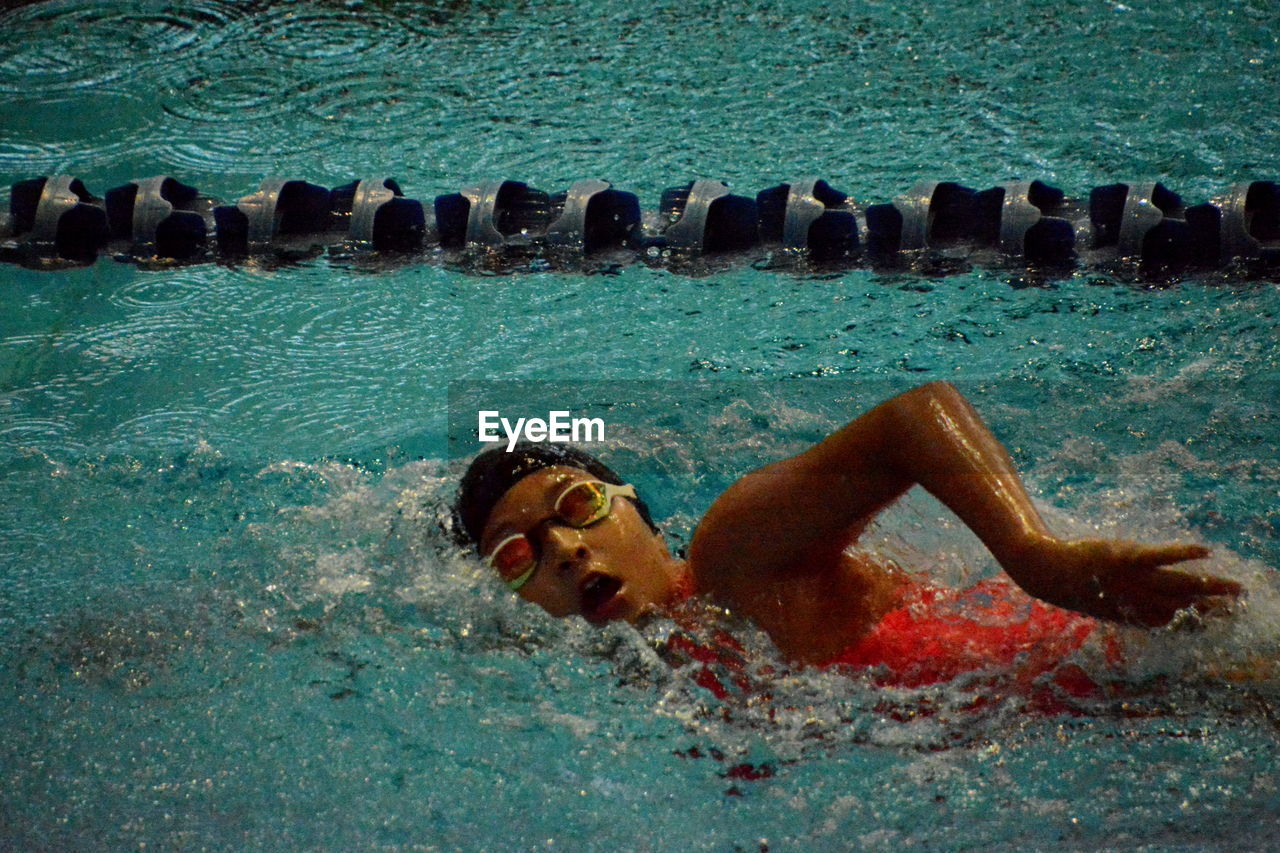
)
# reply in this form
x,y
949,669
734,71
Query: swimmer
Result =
x,y
566,533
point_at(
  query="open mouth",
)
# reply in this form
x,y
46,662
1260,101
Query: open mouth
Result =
x,y
598,596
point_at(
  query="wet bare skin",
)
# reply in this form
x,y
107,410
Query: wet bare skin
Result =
x,y
814,616
773,547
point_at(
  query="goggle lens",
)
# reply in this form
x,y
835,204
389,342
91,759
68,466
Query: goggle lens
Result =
x,y
513,558
583,504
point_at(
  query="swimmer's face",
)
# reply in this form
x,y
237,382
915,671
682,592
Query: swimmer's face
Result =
x,y
616,568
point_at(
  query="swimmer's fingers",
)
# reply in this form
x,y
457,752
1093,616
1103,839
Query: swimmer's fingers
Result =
x,y
1184,584
1120,580
1155,611
1155,556
1179,611
1180,588
1169,594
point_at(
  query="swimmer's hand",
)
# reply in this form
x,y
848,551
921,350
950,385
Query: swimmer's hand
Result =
x,y
1120,580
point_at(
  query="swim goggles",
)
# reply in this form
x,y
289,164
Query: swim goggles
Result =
x,y
581,505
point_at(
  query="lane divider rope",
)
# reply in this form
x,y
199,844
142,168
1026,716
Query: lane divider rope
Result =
x,y
1141,227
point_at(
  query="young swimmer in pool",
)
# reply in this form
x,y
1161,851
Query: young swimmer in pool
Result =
x,y
563,531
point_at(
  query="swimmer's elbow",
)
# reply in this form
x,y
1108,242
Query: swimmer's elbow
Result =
x,y
914,412
938,390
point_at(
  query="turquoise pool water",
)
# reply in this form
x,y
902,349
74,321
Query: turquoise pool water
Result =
x,y
230,617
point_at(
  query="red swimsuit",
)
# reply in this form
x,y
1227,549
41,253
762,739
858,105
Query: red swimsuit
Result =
x,y
936,635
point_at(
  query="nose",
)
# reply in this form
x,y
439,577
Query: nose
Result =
x,y
564,549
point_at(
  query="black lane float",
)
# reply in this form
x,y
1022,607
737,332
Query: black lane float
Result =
x,y
1140,227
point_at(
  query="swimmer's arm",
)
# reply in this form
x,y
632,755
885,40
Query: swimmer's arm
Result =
x,y
798,514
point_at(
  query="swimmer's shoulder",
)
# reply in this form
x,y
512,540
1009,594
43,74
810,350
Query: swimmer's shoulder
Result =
x,y
776,523
811,613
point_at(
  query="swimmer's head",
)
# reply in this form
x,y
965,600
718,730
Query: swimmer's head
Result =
x,y
560,526
494,471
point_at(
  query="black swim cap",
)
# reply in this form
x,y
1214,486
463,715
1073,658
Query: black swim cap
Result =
x,y
495,471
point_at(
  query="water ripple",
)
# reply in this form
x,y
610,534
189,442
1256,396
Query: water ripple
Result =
x,y
248,95
287,33
81,130
43,435
252,151
220,123
26,158
162,428
163,291
115,347
369,105
81,44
